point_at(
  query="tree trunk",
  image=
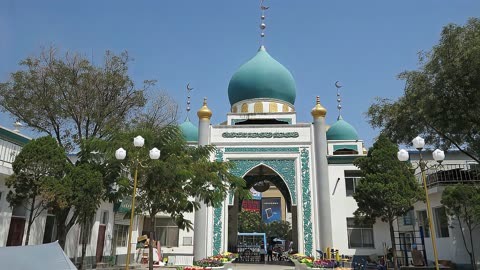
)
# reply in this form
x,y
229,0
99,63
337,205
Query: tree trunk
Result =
x,y
472,258
84,247
394,247
150,243
472,255
61,235
30,221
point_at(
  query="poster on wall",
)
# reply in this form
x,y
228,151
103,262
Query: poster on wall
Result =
x,y
251,205
271,209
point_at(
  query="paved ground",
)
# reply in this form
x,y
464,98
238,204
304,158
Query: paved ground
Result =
x,y
242,266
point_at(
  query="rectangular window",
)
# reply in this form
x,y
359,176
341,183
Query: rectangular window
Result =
x,y
408,218
104,218
351,181
121,235
50,227
441,222
166,231
423,222
359,235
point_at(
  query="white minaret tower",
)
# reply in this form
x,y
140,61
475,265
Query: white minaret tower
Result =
x,y
203,228
324,212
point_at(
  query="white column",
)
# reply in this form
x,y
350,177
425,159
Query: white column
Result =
x,y
202,232
324,212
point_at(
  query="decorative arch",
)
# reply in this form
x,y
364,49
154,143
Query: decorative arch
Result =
x,y
244,108
273,107
285,168
234,109
258,107
284,108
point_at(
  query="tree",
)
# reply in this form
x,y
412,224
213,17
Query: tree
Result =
x,y
463,203
281,229
86,181
76,102
388,188
170,184
249,221
442,98
69,98
39,161
71,198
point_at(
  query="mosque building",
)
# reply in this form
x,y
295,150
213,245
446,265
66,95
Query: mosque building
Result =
x,y
298,172
310,166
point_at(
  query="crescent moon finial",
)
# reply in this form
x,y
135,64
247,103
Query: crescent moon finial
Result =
x,y
189,89
338,85
263,26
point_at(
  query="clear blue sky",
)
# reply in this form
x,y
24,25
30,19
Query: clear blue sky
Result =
x,y
363,44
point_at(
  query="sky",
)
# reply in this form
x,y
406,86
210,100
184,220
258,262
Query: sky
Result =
x,y
362,44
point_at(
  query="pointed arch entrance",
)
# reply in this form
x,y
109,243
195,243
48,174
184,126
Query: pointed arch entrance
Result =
x,y
293,166
278,174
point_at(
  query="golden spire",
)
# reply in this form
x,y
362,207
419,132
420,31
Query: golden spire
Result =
x,y
318,111
204,112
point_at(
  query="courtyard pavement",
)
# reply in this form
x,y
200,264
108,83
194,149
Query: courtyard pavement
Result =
x,y
242,266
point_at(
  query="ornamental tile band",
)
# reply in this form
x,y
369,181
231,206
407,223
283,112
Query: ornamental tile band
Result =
x,y
266,135
261,149
307,206
217,215
284,167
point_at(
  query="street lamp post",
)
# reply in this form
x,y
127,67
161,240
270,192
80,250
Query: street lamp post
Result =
x,y
439,156
120,154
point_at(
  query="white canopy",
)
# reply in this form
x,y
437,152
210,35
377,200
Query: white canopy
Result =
x,y
47,256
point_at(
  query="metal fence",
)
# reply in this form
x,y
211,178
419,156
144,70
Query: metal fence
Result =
x,y
450,174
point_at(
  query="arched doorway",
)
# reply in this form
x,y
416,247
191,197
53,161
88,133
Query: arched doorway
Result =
x,y
273,202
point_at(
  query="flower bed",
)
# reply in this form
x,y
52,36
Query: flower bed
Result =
x,y
303,262
208,263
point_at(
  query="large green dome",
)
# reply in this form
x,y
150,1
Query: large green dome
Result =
x,y
189,131
262,77
342,130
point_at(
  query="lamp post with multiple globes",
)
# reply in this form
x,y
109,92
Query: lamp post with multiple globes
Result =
x,y
120,154
439,156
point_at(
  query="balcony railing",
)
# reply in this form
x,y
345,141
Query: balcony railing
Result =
x,y
450,174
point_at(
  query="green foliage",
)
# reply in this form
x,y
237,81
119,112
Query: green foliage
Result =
x,y
388,188
39,161
69,98
442,98
181,174
463,203
249,221
281,229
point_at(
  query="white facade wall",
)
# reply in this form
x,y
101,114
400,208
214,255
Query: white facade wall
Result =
x,y
343,207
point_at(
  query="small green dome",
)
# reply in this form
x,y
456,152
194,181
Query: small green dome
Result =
x,y
342,130
262,77
189,131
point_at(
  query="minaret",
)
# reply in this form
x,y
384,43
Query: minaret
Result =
x,y
324,212
204,115
202,230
